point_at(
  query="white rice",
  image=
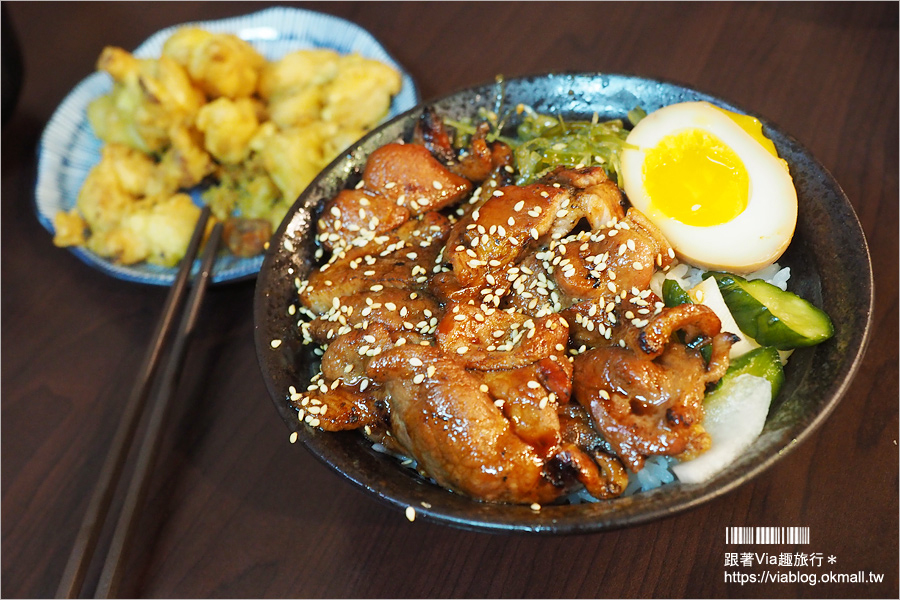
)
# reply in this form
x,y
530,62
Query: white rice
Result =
x,y
688,276
656,472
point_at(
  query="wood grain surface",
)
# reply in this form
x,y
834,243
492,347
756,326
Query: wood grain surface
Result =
x,y
235,510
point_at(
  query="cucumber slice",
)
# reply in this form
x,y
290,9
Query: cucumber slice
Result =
x,y
771,316
674,294
733,419
762,362
707,293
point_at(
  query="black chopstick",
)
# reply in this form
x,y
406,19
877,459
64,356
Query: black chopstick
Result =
x,y
95,516
137,487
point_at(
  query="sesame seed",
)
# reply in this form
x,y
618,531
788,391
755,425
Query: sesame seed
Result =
x,y
519,205
416,362
410,513
462,349
275,343
484,388
419,378
437,185
536,507
293,437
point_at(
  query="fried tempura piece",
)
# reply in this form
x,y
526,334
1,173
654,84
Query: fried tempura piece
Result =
x,y
360,94
310,85
71,230
124,224
184,164
247,190
156,230
148,98
293,85
298,70
228,126
293,157
221,64
112,186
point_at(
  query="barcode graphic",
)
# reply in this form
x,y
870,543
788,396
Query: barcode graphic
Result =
x,y
767,535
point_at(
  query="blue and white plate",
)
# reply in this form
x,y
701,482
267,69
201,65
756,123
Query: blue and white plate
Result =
x,y
69,148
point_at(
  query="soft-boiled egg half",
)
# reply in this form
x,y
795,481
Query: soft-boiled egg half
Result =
x,y
713,184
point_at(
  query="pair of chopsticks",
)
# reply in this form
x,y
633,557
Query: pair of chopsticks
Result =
x,y
97,511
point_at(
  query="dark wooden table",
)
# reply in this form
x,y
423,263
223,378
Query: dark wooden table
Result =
x,y
236,510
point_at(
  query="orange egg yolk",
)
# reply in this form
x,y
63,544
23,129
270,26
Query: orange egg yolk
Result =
x,y
694,177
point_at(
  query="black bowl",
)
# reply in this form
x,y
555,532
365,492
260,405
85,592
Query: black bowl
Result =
x,y
829,263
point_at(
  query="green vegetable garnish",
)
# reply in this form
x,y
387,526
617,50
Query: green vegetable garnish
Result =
x,y
771,316
762,362
549,141
544,142
674,294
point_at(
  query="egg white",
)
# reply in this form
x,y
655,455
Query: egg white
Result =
x,y
755,238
